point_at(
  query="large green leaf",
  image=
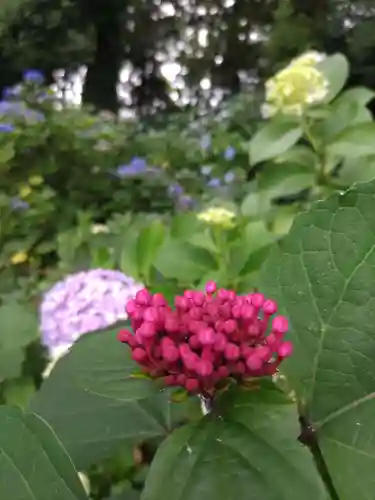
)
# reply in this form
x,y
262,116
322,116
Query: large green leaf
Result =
x,y
323,275
247,448
336,70
33,463
184,262
274,139
18,328
354,142
95,405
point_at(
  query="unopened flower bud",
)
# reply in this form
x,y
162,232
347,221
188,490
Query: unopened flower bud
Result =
x,y
143,297
280,324
285,350
206,336
210,287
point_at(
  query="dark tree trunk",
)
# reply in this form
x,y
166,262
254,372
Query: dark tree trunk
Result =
x,y
100,88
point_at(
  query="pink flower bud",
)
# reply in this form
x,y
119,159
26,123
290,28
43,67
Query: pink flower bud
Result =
x,y
131,307
204,368
232,352
172,324
263,352
247,312
210,287
285,350
194,342
207,353
240,368
257,300
181,379
230,326
147,330
225,311
198,298
206,336
150,314
223,371
181,303
143,297
220,342
139,355
196,313
124,336
254,363
280,324
254,330
269,307
170,380
170,353
237,311
158,300
192,385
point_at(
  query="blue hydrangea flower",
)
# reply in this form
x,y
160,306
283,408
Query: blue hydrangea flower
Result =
x,y
205,142
175,189
33,115
6,127
18,204
82,303
185,202
33,76
136,166
229,177
215,182
229,153
15,108
10,92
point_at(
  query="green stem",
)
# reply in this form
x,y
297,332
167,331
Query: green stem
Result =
x,y
321,177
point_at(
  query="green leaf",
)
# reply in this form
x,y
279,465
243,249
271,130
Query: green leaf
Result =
x,y
361,95
18,328
127,253
354,142
250,451
184,262
336,70
273,139
103,405
323,276
6,153
126,495
357,170
347,110
256,204
300,155
285,180
33,463
149,242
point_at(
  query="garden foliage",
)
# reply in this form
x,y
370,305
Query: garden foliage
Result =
x,y
225,393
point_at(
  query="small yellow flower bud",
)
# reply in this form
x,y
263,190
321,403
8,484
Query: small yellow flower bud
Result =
x,y
218,216
99,228
19,258
36,180
25,191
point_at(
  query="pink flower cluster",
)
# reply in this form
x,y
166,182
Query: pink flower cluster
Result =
x,y
208,337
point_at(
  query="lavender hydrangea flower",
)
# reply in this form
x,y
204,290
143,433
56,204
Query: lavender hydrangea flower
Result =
x,y
214,182
229,153
6,127
18,204
82,303
175,189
